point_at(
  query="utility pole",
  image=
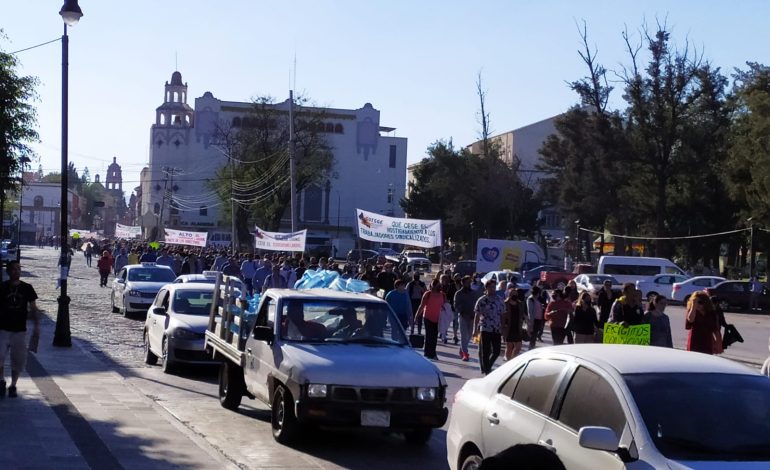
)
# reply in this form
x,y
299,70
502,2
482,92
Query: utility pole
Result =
x,y
291,162
753,248
233,243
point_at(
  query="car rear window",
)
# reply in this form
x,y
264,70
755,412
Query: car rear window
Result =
x,y
537,385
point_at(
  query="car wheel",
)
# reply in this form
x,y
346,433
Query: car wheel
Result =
x,y
112,301
286,428
471,462
723,305
231,386
651,296
149,357
418,437
167,365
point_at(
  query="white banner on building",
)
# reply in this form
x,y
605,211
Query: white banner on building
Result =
x,y
413,232
275,241
183,237
127,231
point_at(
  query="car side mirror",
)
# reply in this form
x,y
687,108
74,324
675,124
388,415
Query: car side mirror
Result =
x,y
159,311
263,333
598,438
121,281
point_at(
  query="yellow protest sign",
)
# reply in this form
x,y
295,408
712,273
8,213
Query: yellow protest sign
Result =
x,y
615,333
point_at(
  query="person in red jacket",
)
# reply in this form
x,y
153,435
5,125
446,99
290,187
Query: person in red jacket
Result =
x,y
104,265
556,314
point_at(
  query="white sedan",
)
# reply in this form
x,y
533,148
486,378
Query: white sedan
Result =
x,y
660,284
681,291
508,276
601,406
594,283
176,324
135,286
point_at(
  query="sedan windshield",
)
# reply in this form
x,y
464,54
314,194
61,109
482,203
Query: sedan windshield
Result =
x,y
705,416
340,322
151,275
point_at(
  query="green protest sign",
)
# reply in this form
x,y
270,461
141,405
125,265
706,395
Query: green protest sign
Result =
x,y
615,333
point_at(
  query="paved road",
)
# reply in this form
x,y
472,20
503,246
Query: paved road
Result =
x,y
244,437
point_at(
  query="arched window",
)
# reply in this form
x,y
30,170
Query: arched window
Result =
x,y
38,202
156,209
338,129
236,122
329,127
203,210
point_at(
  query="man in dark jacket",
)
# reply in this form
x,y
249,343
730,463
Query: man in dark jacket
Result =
x,y
464,304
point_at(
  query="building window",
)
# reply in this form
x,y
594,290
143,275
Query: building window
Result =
x,y
32,217
392,162
390,195
203,210
156,209
338,129
38,202
236,122
329,127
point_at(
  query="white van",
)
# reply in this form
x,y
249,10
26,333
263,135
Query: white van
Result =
x,y
636,268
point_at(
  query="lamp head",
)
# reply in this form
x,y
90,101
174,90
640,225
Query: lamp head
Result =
x,y
71,12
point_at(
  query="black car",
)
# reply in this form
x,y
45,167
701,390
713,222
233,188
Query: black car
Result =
x,y
736,295
464,268
357,255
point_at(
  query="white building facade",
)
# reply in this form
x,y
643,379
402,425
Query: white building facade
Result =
x,y
369,172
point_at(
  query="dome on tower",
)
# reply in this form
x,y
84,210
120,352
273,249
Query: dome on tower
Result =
x,y
176,79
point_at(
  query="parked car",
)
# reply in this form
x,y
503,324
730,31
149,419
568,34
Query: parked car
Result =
x,y
412,254
464,268
602,406
593,283
418,265
357,255
736,295
136,285
681,291
532,275
175,328
389,254
508,276
8,250
660,284
559,279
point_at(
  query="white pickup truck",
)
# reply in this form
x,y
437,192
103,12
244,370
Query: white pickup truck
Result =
x,y
326,358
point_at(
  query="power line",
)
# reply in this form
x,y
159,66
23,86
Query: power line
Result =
x,y
33,47
690,237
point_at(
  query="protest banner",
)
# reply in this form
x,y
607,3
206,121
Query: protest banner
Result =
x,y
276,241
84,234
615,333
413,232
183,237
127,231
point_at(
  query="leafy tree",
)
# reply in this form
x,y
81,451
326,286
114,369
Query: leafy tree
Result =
x,y
257,175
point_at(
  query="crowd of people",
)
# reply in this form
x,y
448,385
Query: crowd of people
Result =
x,y
448,306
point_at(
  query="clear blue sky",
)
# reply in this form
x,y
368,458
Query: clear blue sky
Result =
x,y
416,61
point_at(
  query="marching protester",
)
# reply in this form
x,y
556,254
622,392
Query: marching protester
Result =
x,y
702,323
17,304
465,303
429,312
660,326
514,317
487,324
399,301
535,317
627,309
104,265
584,322
557,313
416,289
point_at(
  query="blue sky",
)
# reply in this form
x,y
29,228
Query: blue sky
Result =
x,y
416,61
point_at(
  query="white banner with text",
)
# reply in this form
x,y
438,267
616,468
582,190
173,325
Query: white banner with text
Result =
x,y
127,231
276,241
184,237
413,232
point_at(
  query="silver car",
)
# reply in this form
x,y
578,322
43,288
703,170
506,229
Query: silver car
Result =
x,y
136,285
176,324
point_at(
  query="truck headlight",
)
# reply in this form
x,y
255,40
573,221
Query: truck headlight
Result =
x,y
426,394
316,391
182,333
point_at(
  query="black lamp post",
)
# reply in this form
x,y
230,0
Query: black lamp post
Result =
x,y
70,13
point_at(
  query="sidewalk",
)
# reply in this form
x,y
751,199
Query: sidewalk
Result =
x,y
74,413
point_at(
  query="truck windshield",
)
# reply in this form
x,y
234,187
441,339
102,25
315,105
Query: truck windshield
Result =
x,y
340,321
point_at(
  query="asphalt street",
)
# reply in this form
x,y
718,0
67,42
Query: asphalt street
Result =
x,y
244,438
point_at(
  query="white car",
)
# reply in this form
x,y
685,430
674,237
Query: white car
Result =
x,y
136,285
681,291
660,284
412,254
207,277
601,406
176,324
594,283
508,276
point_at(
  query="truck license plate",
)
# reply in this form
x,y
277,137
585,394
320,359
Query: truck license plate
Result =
x,y
379,419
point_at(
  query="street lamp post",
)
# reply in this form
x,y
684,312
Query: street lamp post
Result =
x,y
579,249
752,247
70,13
